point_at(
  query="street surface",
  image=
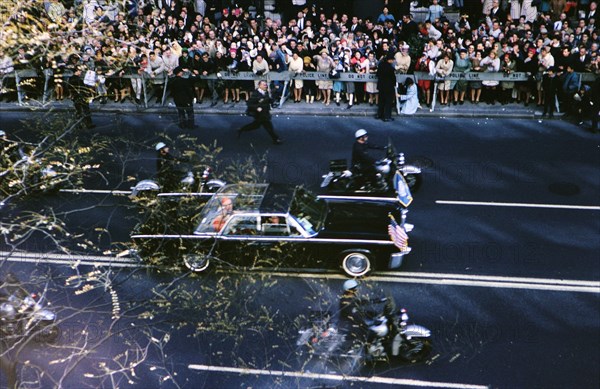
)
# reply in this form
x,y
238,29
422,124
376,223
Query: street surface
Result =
x,y
505,266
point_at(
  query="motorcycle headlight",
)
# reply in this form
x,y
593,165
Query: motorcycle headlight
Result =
x,y
384,169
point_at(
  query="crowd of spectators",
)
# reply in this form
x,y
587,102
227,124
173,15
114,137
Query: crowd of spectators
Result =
x,y
153,37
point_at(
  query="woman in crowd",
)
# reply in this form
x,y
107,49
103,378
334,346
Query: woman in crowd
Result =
x,y
508,66
425,64
443,69
462,65
296,67
338,86
370,66
324,64
232,86
476,85
357,67
310,86
410,101
490,64
527,65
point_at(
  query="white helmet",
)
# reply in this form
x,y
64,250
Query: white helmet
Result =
x,y
160,145
350,284
360,133
2,133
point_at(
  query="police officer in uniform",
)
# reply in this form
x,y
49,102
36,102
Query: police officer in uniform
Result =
x,y
362,160
182,91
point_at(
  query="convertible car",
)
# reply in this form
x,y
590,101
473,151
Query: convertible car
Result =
x,y
277,225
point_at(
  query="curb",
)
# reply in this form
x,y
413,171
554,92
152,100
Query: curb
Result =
x,y
513,111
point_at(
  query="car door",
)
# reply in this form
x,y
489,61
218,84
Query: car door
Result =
x,y
236,240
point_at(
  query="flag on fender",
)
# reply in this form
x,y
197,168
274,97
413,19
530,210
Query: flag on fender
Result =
x,y
402,190
397,234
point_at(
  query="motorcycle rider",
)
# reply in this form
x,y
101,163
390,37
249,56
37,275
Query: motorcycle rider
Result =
x,y
167,166
349,300
352,314
362,161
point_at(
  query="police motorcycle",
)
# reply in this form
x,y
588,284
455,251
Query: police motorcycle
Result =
x,y
381,333
179,180
24,314
28,167
341,180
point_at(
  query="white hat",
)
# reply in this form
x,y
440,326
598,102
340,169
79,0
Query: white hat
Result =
x,y
160,145
360,133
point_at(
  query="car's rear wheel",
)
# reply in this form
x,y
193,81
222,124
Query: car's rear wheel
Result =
x,y
196,262
356,264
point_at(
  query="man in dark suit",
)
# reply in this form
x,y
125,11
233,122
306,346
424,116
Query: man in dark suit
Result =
x,y
386,85
581,61
259,107
409,28
182,90
81,95
570,86
355,25
497,13
592,12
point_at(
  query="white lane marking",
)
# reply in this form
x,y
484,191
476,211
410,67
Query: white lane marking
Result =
x,y
547,284
73,263
334,377
71,257
493,278
488,284
519,205
72,260
591,288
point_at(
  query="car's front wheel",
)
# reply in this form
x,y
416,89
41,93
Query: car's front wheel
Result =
x,y
196,262
356,264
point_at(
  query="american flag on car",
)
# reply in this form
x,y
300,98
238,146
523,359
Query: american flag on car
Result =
x,y
397,234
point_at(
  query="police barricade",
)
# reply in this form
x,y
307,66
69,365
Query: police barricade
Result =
x,y
470,76
288,77
24,74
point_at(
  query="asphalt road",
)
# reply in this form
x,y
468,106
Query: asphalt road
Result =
x,y
507,210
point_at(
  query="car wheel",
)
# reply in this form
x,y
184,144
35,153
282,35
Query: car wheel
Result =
x,y
356,264
196,262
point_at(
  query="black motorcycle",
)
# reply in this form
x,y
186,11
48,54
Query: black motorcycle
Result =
x,y
23,314
341,180
25,172
180,181
380,334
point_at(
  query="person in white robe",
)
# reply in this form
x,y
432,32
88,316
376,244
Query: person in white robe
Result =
x,y
410,101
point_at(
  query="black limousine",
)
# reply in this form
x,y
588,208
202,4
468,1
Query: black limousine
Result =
x,y
278,225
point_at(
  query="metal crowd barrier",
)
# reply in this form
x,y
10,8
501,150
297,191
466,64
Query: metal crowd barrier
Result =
x,y
288,77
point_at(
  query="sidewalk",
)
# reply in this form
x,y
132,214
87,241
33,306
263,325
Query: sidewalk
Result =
x,y
467,110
